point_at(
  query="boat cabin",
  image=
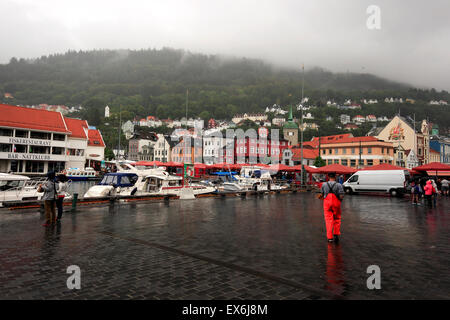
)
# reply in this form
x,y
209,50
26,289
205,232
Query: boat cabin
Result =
x,y
119,179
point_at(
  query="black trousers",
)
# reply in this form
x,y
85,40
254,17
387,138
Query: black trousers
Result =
x,y
429,200
59,205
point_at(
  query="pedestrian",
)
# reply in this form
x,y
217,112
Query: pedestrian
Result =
x,y
49,197
61,189
413,193
341,179
445,186
435,192
417,192
429,190
332,195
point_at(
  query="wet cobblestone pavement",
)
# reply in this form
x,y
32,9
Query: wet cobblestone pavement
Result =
x,y
259,247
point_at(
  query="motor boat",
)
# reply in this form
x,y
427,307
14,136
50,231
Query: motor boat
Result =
x,y
141,182
77,174
14,187
113,184
228,181
162,183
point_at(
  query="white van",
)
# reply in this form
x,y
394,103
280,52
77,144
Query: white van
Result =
x,y
389,181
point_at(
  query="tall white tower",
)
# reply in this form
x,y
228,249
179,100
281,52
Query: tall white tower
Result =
x,y
106,112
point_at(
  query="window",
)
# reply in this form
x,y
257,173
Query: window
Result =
x,y
323,151
344,162
330,161
369,150
382,150
336,151
40,135
39,149
59,137
5,147
353,178
16,165
57,150
370,162
344,151
353,150
329,151
21,134
336,161
361,162
6,132
34,166
20,148
352,163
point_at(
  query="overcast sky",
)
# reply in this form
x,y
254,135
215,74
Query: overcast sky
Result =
x,y
413,44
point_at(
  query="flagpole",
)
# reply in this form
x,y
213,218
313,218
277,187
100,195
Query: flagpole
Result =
x,y
301,126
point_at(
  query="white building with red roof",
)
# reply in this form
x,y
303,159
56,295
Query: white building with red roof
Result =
x,y
35,141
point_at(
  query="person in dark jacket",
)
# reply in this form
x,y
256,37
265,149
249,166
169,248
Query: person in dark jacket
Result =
x,y
61,189
49,197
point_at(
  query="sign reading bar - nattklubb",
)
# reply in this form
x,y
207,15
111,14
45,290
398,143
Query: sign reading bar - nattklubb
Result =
x,y
25,156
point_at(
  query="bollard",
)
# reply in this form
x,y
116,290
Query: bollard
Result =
x,y
74,201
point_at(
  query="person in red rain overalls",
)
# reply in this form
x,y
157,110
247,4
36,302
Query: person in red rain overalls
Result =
x,y
332,193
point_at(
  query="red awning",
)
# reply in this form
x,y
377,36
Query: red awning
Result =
x,y
337,168
433,166
173,164
280,167
149,163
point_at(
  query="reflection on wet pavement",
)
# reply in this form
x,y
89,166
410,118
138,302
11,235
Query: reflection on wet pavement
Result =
x,y
265,247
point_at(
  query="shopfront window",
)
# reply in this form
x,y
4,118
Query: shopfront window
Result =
x,y
16,165
352,163
57,166
34,166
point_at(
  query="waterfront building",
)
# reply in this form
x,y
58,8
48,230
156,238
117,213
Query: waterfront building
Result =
x,y
141,146
357,152
405,135
442,145
35,141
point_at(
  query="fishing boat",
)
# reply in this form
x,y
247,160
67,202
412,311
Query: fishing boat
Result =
x,y
77,174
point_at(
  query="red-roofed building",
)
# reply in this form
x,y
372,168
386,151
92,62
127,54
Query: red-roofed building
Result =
x,y
292,156
357,152
35,141
96,146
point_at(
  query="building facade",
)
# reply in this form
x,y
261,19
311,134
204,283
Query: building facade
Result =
x,y
357,152
406,136
34,141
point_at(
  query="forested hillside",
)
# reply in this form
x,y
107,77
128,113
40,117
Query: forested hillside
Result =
x,y
154,82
